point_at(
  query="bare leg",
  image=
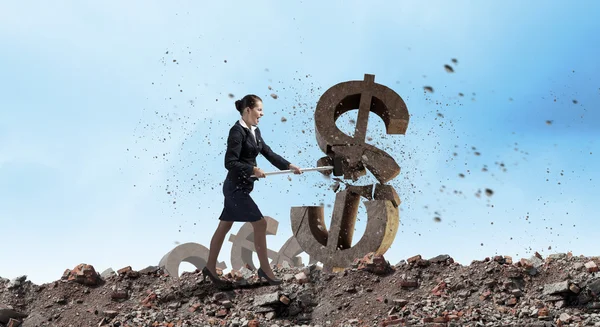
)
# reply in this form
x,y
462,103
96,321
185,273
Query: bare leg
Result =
x,y
216,243
260,244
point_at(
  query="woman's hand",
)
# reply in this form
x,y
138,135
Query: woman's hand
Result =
x,y
296,169
258,172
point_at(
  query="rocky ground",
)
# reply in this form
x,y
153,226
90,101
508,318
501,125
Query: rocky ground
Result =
x,y
560,290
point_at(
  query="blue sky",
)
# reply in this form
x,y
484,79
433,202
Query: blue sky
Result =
x,y
105,108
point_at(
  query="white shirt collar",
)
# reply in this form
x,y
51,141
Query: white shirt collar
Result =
x,y
243,123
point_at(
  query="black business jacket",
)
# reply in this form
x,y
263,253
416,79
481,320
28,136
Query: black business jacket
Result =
x,y
240,157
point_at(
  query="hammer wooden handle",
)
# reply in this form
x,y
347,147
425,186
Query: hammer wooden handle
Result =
x,y
287,171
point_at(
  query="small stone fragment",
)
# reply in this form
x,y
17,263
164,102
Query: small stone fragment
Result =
x,y
555,288
591,266
266,299
301,277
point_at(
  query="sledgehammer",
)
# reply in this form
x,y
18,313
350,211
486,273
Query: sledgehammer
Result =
x,y
287,171
337,169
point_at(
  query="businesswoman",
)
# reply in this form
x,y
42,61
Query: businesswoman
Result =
x,y
244,143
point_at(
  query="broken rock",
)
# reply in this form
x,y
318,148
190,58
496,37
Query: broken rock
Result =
x,y
119,295
14,323
301,278
400,302
561,287
442,258
414,259
591,266
266,299
108,273
83,274
7,314
374,263
594,286
536,261
149,270
16,282
486,293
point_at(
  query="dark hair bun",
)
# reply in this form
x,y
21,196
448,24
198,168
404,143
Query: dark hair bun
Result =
x,y
247,101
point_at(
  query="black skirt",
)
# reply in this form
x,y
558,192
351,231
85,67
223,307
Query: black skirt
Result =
x,y
238,205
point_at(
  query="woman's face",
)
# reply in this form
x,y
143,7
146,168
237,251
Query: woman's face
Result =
x,y
255,113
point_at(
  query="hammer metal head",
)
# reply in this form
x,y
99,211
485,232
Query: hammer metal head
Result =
x,y
331,160
337,166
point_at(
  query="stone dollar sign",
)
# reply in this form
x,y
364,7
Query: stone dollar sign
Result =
x,y
242,249
194,253
243,244
333,247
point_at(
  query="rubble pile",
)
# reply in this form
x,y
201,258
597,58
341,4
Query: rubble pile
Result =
x,y
560,290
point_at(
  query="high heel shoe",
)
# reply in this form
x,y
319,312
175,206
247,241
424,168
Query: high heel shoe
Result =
x,y
216,280
261,274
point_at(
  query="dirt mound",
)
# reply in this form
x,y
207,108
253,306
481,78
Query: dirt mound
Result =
x,y
561,290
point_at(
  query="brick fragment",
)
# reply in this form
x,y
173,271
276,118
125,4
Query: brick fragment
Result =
x,y
301,278
574,288
591,266
526,263
373,263
83,274
440,319
119,295
149,299
485,295
409,283
284,299
438,290
194,307
13,323
511,302
414,259
124,270
393,322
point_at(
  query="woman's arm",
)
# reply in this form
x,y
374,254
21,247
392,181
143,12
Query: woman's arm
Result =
x,y
232,155
275,159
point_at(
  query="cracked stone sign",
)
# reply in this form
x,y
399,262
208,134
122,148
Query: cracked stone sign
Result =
x,y
242,250
333,247
193,253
